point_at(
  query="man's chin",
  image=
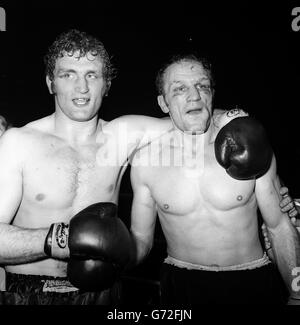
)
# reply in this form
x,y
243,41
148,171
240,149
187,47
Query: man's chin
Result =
x,y
81,117
195,131
193,128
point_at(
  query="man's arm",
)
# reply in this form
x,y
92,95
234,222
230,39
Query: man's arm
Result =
x,y
136,131
287,204
143,214
283,236
17,245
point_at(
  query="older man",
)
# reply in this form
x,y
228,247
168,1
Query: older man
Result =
x,y
206,180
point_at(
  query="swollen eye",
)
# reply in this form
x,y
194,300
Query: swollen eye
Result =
x,y
203,87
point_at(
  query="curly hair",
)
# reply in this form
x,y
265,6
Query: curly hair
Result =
x,y
76,41
178,58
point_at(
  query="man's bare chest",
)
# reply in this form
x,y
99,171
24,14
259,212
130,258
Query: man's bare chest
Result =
x,y
62,174
185,189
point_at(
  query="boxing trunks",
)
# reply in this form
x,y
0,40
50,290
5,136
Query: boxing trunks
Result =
x,y
46,290
256,282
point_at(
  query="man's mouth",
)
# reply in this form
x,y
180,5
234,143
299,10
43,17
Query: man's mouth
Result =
x,y
80,101
194,111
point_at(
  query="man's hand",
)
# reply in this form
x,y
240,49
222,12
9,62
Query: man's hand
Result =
x,y
296,219
292,207
267,241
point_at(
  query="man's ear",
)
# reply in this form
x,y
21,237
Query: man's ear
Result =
x,y
50,85
107,87
162,103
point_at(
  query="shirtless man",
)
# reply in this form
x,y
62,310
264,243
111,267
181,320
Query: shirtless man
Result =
x,y
209,218
55,167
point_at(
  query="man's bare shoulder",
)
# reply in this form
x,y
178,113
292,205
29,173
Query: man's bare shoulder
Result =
x,y
44,124
222,117
12,141
18,136
16,146
11,135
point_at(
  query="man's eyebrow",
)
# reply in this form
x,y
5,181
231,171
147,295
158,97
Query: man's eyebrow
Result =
x,y
176,82
92,71
65,70
60,70
204,78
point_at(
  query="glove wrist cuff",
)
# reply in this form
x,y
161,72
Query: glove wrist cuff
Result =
x,y
48,241
56,242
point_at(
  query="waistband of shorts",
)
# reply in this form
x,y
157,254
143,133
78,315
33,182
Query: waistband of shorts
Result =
x,y
44,282
238,267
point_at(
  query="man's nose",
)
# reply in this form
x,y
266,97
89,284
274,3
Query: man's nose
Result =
x,y
194,94
82,85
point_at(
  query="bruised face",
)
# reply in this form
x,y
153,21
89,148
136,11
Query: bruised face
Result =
x,y
78,86
187,96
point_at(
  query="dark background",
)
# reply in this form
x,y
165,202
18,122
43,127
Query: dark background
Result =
x,y
254,51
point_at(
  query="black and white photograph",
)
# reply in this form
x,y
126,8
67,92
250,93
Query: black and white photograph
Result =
x,y
149,156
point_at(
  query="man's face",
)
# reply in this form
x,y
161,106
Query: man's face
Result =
x,y
188,96
78,86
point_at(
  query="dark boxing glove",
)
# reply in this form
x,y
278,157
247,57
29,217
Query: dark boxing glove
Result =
x,y
100,247
242,148
98,243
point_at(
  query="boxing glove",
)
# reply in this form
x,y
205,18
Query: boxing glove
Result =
x,y
99,246
56,242
242,148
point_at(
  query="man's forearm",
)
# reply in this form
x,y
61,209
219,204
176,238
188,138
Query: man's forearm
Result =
x,y
286,247
142,248
21,245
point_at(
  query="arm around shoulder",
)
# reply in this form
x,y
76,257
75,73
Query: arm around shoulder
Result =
x,y
137,129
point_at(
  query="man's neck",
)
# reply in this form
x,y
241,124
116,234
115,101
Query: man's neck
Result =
x,y
193,140
75,132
